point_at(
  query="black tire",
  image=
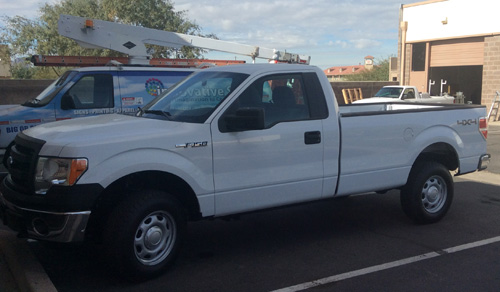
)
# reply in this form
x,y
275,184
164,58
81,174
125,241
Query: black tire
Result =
x,y
428,194
143,235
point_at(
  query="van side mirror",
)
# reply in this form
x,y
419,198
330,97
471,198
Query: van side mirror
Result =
x,y
67,102
245,119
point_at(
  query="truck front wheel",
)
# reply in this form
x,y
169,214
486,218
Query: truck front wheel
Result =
x,y
427,196
143,234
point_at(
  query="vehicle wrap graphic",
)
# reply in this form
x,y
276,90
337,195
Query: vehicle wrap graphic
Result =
x,y
154,86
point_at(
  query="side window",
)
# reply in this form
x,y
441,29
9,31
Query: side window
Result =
x,y
91,91
281,98
409,93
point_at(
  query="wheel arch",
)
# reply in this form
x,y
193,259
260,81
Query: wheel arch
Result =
x,y
440,152
120,189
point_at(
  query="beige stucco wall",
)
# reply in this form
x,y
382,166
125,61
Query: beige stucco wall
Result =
x,y
491,69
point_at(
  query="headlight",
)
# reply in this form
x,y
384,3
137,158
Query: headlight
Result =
x,y
58,171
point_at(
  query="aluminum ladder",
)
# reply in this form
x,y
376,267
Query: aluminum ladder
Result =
x,y
494,108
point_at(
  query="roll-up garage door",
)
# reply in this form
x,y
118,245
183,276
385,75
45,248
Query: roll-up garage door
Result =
x,y
462,52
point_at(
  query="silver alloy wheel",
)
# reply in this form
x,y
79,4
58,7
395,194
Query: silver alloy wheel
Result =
x,y
155,237
434,193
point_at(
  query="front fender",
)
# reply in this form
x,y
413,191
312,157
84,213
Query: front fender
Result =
x,y
198,175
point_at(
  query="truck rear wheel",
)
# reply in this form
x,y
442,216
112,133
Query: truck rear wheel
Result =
x,y
428,194
144,234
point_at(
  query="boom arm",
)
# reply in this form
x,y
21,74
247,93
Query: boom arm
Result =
x,y
131,40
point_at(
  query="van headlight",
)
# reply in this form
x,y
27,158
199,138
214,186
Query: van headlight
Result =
x,y
58,171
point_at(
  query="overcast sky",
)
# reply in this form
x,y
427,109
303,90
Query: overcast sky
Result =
x,y
332,32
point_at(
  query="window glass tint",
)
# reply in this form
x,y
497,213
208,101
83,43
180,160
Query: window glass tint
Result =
x,y
282,97
418,57
194,99
51,91
91,91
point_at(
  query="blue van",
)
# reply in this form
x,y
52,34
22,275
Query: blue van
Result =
x,y
86,92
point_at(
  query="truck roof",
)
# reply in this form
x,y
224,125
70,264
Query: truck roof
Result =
x,y
264,67
399,86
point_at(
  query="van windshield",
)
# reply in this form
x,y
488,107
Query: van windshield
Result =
x,y
51,91
194,99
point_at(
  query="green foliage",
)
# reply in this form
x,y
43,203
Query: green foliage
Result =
x,y
40,36
380,72
22,70
26,70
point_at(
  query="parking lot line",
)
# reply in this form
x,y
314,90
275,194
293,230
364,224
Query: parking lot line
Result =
x,y
385,266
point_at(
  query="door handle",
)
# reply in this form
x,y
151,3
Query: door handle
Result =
x,y
313,137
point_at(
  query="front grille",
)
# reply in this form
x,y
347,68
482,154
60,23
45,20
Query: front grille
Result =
x,y
22,166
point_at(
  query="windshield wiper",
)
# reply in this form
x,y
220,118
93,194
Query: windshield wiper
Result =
x,y
159,113
32,102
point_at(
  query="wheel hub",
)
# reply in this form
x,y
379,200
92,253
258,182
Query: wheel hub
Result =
x,y
153,237
433,194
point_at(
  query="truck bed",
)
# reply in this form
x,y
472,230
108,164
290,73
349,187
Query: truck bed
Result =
x,y
372,133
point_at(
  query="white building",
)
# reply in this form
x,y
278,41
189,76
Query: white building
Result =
x,y
451,46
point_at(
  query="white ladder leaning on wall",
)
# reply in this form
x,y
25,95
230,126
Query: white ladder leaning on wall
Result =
x,y
494,108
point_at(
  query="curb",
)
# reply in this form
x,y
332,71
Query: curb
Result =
x,y
482,177
26,273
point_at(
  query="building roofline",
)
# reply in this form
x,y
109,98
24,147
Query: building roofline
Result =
x,y
453,38
422,3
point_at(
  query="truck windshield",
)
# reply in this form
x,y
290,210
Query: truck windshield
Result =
x,y
194,99
51,91
389,92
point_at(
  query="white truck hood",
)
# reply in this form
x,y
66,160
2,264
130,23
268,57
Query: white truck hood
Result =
x,y
79,137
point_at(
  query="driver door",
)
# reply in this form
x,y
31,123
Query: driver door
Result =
x,y
92,94
280,163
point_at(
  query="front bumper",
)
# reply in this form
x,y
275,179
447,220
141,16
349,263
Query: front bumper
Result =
x,y
52,226
61,215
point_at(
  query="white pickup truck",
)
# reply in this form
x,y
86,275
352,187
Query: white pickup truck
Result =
x,y
393,93
225,141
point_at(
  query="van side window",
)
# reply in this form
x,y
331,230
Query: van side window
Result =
x,y
281,97
91,91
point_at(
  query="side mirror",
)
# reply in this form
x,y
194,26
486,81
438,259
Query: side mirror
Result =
x,y
245,119
67,102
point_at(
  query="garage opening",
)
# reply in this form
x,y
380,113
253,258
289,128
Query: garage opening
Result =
x,y
465,79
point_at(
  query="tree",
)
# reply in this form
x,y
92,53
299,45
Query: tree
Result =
x,y
39,36
380,72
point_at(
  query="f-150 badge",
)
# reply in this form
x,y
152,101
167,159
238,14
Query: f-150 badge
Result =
x,y
192,144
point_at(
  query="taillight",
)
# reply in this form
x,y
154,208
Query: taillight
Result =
x,y
483,127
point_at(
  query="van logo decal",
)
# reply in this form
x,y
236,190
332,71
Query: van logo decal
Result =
x,y
154,86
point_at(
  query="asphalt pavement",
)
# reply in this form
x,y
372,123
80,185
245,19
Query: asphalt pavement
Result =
x,y
20,271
